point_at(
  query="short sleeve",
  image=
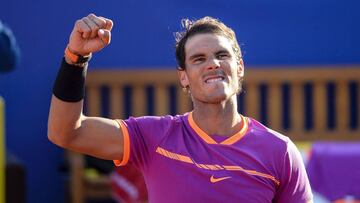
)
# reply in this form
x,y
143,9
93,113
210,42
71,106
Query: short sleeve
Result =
x,y
294,183
141,137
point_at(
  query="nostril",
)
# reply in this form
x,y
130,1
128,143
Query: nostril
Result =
x,y
214,66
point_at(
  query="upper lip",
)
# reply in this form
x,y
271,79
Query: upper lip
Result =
x,y
213,76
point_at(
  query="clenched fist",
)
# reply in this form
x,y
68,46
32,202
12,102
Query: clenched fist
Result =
x,y
90,34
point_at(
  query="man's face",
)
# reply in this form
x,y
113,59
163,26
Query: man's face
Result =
x,y
212,71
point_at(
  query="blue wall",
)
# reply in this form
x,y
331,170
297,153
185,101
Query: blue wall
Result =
x,y
270,32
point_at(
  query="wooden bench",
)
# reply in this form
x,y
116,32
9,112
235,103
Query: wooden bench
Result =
x,y
305,103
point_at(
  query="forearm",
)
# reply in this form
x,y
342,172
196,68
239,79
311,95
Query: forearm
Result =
x,y
66,103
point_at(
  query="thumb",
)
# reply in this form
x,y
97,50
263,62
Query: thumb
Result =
x,y
105,36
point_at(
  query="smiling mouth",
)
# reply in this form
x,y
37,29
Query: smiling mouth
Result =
x,y
214,79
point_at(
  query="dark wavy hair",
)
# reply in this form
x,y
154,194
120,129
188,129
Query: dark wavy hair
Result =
x,y
204,25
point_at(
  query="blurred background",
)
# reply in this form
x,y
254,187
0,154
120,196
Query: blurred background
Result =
x,y
286,34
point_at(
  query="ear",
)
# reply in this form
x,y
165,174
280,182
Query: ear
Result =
x,y
241,69
184,81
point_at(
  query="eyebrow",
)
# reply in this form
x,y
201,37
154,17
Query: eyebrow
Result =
x,y
222,51
196,56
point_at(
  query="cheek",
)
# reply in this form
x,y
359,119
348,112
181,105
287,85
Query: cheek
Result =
x,y
232,71
234,76
194,77
194,82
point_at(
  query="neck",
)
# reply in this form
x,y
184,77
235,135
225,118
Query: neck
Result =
x,y
220,118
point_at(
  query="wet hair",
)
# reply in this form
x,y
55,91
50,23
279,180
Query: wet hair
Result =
x,y
205,25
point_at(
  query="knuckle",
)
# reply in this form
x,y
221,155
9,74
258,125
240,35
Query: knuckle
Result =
x,y
78,22
91,15
86,30
84,26
101,23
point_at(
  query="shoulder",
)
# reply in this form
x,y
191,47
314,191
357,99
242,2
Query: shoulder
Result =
x,y
279,144
150,120
147,132
264,134
154,123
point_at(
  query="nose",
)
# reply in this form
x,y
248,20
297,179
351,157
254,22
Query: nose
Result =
x,y
214,63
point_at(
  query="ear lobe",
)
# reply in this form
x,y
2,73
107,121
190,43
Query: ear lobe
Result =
x,y
183,78
241,69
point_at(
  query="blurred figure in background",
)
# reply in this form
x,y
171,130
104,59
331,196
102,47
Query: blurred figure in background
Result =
x,y
9,50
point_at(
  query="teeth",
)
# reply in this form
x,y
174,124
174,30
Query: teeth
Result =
x,y
213,80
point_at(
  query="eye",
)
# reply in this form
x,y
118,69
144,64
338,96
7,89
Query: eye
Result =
x,y
223,56
198,60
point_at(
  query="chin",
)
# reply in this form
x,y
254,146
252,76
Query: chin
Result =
x,y
216,98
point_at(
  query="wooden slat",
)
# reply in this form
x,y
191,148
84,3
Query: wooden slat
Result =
x,y
274,104
342,105
320,106
138,76
161,100
183,101
139,101
297,107
94,100
76,176
116,102
325,135
252,100
301,73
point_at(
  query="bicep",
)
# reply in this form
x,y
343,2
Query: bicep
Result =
x,y
98,137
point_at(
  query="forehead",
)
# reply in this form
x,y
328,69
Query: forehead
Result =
x,y
204,43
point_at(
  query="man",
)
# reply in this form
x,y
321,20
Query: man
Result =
x,y
212,154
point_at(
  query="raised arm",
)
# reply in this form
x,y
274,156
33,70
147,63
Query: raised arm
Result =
x,y
67,126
